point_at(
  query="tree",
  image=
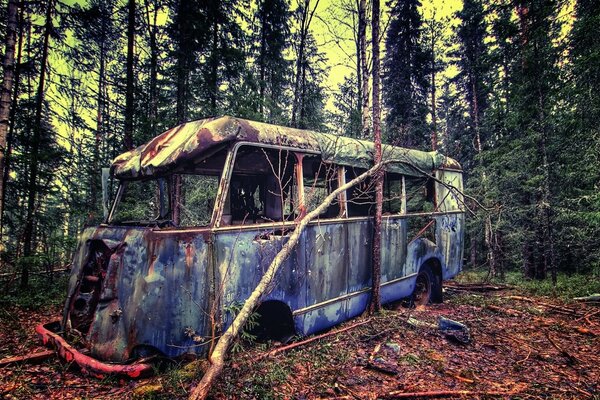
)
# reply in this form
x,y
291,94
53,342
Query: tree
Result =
x,y
362,67
375,304
38,127
8,64
129,100
273,39
405,77
347,117
304,15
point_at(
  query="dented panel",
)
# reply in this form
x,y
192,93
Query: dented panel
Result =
x,y
153,296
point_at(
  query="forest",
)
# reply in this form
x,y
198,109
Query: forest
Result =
x,y
508,88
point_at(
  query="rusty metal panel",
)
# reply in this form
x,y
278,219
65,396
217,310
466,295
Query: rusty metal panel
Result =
x,y
327,266
393,248
193,140
243,256
154,294
359,265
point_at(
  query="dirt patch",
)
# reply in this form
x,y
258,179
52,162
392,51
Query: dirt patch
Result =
x,y
519,348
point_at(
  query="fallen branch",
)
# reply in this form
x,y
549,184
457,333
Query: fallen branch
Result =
x,y
399,394
563,310
571,358
475,287
30,358
506,311
309,340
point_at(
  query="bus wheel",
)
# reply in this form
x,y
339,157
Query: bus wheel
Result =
x,y
424,286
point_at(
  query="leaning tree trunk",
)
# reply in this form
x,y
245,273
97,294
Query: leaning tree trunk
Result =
x,y
217,358
8,64
375,304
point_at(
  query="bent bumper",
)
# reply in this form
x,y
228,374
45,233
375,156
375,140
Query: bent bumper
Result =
x,y
88,365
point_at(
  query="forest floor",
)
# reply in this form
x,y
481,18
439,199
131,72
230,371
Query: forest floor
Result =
x,y
520,347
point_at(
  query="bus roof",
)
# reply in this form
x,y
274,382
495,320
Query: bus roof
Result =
x,y
195,140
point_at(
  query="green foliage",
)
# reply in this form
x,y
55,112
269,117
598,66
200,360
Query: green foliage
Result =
x,y
568,286
405,82
43,292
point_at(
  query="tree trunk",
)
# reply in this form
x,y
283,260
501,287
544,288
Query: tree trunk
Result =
x,y
183,69
153,90
8,65
434,138
214,68
375,304
217,358
299,61
363,69
129,106
33,165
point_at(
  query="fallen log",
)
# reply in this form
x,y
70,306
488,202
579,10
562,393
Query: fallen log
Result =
x,y
475,287
31,358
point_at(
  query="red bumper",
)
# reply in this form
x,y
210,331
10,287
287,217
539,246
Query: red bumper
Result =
x,y
88,365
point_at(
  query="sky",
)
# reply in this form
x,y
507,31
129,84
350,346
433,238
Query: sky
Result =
x,y
325,28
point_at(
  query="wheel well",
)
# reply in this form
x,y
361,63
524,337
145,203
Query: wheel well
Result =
x,y
274,322
436,268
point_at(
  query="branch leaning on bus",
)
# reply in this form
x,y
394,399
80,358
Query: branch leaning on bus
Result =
x,y
217,357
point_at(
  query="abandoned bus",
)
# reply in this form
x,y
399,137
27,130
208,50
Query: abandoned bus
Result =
x,y
201,211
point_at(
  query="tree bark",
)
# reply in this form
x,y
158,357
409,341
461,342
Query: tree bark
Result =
x,y
217,358
375,304
33,165
8,64
129,106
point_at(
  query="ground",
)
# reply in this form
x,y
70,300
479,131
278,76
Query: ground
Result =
x,y
520,347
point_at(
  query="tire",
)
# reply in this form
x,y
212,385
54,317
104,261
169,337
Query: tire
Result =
x,y
424,286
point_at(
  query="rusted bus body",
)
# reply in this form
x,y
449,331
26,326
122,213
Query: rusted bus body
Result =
x,y
141,288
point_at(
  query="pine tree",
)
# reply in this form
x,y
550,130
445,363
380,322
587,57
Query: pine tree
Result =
x,y
273,37
406,73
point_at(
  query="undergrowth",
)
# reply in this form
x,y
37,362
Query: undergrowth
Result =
x,y
41,292
567,286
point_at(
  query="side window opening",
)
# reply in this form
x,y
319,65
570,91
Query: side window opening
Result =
x,y
193,188
420,200
361,197
392,194
262,187
320,179
139,202
196,199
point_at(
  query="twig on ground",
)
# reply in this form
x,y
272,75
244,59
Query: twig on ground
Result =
x,y
399,394
565,353
309,340
562,310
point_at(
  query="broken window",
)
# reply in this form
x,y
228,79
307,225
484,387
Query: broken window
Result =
x,y
360,197
392,194
139,202
196,198
420,200
320,179
262,187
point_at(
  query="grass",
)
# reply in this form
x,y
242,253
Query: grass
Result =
x,y
567,286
